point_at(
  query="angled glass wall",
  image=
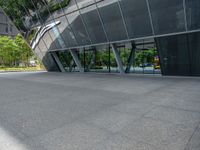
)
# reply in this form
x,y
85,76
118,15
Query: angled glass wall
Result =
x,y
180,54
77,25
137,18
112,20
59,25
93,24
167,16
193,14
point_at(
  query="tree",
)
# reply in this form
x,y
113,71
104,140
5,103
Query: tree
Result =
x,y
24,49
8,51
14,51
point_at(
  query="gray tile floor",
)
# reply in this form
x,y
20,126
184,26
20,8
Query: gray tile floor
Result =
x,y
57,111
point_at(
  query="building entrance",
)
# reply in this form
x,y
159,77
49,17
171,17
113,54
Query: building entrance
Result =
x,y
140,57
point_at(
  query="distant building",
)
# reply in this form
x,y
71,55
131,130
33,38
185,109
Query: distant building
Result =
x,y
6,27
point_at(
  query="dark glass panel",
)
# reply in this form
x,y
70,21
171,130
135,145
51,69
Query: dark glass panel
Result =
x,y
67,61
3,18
50,63
193,14
77,26
66,32
93,24
174,55
167,16
3,28
194,45
136,17
112,19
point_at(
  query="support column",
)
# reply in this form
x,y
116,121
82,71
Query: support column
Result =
x,y
76,60
131,58
118,59
62,69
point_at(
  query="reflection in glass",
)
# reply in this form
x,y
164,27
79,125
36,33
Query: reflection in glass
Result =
x,y
193,14
77,26
174,55
167,16
112,19
136,17
84,3
93,24
67,61
66,32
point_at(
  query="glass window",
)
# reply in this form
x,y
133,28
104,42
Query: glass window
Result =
x,y
71,7
96,60
194,45
93,24
67,61
112,19
56,5
46,36
77,26
136,17
52,28
42,46
84,3
193,14
38,52
43,10
167,16
3,18
66,32
174,55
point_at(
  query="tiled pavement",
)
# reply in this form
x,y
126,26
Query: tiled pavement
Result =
x,y
58,111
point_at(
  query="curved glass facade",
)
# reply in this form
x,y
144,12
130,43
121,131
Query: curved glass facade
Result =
x,y
57,25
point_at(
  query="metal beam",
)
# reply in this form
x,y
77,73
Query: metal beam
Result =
x,y
55,56
131,58
117,58
76,60
150,16
185,15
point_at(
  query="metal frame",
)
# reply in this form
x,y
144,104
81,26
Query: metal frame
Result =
x,y
83,21
185,15
62,69
150,17
65,15
102,23
118,59
60,35
39,17
130,40
76,60
123,20
131,58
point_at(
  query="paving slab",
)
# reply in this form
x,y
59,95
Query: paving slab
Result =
x,y
48,111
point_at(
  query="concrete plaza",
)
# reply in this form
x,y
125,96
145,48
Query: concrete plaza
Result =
x,y
59,111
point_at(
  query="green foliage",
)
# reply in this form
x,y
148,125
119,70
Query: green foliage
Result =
x,y
145,56
14,51
18,10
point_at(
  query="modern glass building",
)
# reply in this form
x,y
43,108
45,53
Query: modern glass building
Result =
x,y
125,36
6,27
